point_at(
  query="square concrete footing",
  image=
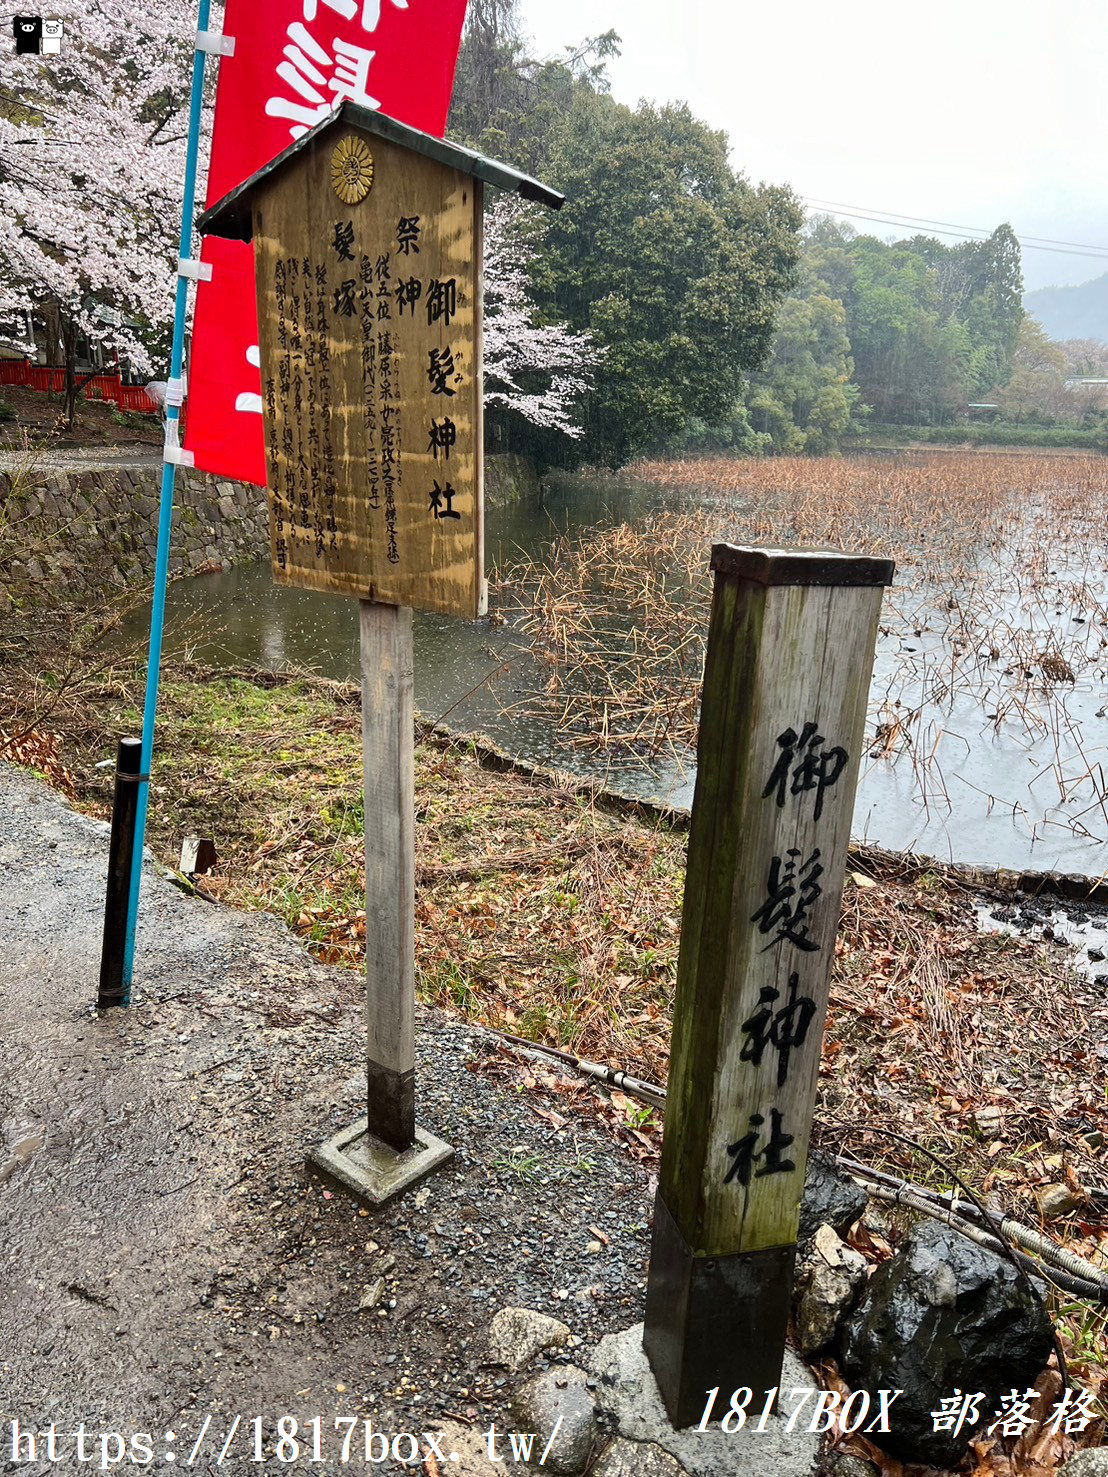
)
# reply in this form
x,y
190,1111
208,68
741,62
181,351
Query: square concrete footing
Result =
x,y
369,1170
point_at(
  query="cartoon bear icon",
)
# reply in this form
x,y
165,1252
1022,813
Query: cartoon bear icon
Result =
x,y
28,34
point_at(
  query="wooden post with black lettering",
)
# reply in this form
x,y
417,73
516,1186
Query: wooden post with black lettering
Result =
x,y
786,681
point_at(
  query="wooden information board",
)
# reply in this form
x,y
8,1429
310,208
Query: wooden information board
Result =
x,y
367,250
368,281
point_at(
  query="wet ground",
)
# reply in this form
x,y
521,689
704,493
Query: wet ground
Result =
x,y
166,1256
1081,927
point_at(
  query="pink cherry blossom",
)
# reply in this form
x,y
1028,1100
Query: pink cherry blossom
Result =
x,y
91,179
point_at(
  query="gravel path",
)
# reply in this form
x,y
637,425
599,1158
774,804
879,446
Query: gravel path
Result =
x,y
165,1253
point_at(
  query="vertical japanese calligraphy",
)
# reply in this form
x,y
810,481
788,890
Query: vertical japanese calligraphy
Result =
x,y
804,765
278,380
390,439
311,364
369,321
368,311
323,383
298,444
785,1028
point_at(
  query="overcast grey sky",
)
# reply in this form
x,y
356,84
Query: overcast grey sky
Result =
x,y
965,111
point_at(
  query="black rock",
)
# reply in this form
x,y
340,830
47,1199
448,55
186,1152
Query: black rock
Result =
x,y
831,1198
942,1315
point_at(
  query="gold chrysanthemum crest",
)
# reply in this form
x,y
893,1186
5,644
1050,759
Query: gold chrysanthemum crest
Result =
x,y
351,169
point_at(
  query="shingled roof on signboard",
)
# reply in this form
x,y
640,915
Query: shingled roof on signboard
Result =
x,y
231,218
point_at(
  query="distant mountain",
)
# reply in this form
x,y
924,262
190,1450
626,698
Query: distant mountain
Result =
x,y
1072,312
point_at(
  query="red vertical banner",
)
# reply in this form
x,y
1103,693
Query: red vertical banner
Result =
x,y
294,61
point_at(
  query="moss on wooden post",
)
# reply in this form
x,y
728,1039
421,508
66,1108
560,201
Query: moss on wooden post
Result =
x,y
786,681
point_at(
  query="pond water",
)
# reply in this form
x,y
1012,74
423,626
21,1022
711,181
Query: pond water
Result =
x,y
1020,794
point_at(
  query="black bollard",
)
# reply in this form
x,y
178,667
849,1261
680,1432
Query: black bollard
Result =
x,y
128,767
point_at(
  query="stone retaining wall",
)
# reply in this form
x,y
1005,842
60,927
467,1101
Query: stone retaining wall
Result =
x,y
510,478
96,528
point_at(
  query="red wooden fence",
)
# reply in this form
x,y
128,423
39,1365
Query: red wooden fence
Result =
x,y
134,397
107,387
43,378
101,387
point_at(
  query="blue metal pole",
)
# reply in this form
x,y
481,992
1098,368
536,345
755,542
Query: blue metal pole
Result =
x,y
165,516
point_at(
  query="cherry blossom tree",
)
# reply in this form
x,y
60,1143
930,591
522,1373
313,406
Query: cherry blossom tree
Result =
x,y
92,146
541,371
92,152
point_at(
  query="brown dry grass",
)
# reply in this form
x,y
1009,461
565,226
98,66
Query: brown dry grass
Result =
x,y
539,913
1000,605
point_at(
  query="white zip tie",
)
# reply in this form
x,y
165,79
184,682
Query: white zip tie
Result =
x,y
173,452
175,391
215,43
194,270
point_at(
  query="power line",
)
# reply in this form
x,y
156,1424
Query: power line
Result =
x,y
1097,254
924,220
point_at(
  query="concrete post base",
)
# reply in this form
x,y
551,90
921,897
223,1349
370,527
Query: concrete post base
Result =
x,y
369,1170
